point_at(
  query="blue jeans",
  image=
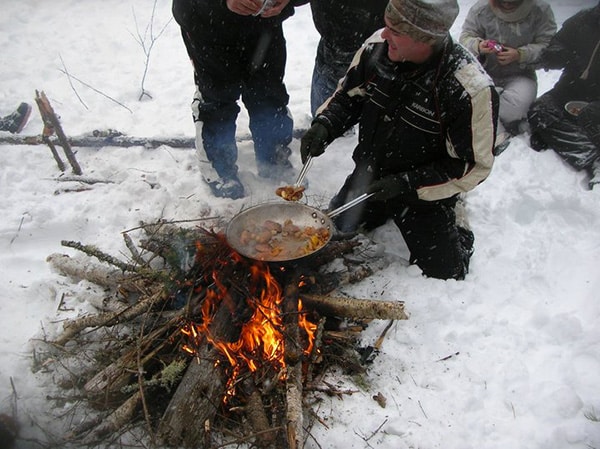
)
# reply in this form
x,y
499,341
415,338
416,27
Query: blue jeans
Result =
x,y
331,65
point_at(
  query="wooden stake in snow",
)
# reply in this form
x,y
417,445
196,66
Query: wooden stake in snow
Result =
x,y
52,125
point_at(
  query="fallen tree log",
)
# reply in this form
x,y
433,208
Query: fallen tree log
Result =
x,y
88,270
111,138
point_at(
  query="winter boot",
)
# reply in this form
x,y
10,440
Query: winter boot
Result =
x,y
15,122
230,187
502,140
280,169
537,143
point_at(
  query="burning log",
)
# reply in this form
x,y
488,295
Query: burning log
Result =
x,y
199,395
293,358
194,404
255,411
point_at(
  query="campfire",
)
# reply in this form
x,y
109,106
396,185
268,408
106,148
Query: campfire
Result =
x,y
260,346
218,347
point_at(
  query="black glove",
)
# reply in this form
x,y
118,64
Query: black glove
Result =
x,y
314,141
390,187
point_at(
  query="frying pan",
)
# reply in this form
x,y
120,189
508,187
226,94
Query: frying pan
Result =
x,y
300,214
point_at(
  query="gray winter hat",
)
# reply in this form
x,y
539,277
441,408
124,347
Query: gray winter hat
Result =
x,y
431,17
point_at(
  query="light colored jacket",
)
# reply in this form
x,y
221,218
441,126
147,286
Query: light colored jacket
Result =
x,y
529,30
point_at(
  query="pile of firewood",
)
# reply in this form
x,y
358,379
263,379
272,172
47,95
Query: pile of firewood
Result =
x,y
141,363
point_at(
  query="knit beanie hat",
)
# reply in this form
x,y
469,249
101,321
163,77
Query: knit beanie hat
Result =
x,y
430,17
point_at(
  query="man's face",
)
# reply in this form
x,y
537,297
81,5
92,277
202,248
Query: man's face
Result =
x,y
403,48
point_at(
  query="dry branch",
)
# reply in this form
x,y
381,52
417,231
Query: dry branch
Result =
x,y
52,125
100,255
74,327
117,419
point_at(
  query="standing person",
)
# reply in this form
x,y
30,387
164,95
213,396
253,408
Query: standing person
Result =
x,y
574,135
427,115
238,50
15,122
508,36
343,26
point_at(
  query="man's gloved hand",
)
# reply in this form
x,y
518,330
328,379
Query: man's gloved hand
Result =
x,y
389,187
314,141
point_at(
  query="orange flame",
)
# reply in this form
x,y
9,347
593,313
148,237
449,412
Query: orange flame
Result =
x,y
261,339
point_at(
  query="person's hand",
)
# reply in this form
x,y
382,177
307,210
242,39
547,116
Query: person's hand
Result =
x,y
244,7
275,9
488,46
389,187
314,141
508,56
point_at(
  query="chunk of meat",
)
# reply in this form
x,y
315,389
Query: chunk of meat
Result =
x,y
290,193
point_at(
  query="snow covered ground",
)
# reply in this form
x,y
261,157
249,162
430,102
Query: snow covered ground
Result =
x,y
522,329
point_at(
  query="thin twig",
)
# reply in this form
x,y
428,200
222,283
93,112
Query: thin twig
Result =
x,y
422,409
140,378
100,255
135,254
376,431
71,82
97,91
379,341
147,49
18,231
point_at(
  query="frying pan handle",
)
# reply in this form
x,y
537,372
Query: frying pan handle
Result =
x,y
349,204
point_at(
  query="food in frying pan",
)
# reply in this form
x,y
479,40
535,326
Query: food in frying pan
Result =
x,y
272,240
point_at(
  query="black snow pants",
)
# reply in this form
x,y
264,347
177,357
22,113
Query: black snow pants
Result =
x,y
437,245
575,138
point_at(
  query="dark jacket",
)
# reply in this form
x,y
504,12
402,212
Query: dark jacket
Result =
x,y
346,24
211,21
435,123
575,48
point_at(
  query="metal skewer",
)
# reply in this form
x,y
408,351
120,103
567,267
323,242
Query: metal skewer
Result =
x,y
349,204
302,173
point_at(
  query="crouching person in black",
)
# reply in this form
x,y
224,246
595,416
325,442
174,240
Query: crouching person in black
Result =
x,y
567,118
427,115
